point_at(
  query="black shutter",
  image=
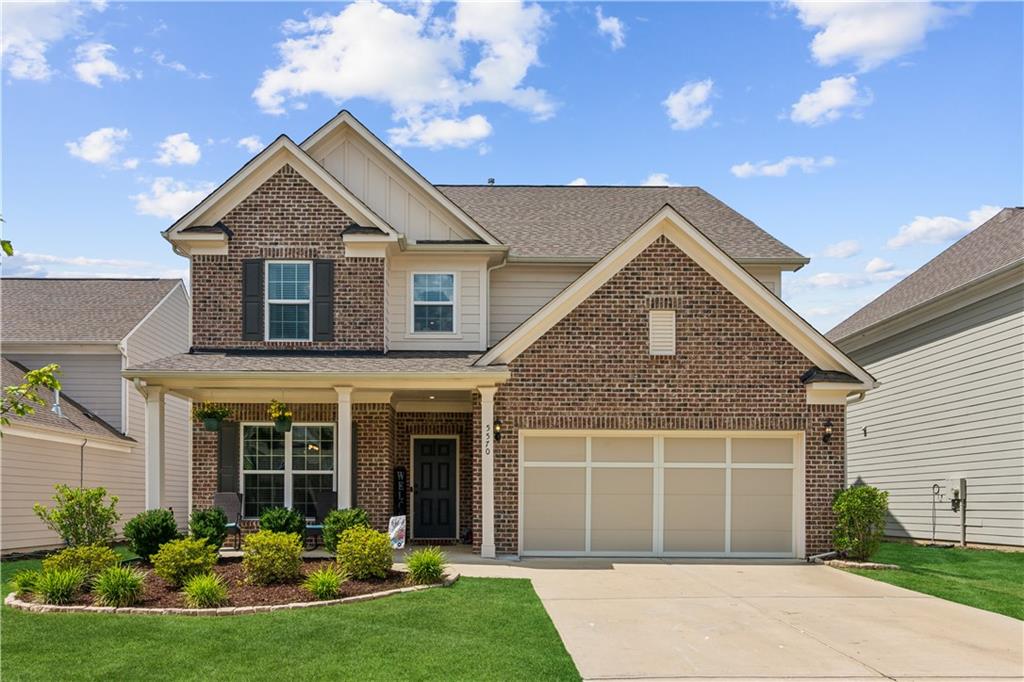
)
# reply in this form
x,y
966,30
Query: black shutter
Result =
x,y
228,455
323,300
355,456
252,300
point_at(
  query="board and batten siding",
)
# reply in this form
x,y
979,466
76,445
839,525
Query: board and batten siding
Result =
x,y
520,290
92,379
950,405
468,313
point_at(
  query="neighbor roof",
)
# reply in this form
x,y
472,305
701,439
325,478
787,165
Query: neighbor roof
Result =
x,y
76,310
995,245
589,221
426,362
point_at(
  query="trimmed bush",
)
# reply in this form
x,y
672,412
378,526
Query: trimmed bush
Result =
x,y
119,586
325,583
338,521
24,582
860,520
91,559
364,553
81,516
271,557
59,586
210,525
150,529
281,520
179,560
206,591
426,565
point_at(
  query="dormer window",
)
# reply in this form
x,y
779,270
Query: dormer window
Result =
x,y
289,299
433,302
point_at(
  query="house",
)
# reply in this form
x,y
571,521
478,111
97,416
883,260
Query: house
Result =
x,y
92,328
535,370
947,346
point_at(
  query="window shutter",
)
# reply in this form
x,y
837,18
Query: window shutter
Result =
x,y
252,300
663,332
323,300
228,454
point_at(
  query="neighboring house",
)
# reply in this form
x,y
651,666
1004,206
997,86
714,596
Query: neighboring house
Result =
x,y
947,347
92,328
535,370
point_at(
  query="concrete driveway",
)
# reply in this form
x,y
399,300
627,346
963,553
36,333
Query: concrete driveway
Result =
x,y
659,619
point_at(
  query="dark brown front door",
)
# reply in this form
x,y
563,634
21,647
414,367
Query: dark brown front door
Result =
x,y
434,488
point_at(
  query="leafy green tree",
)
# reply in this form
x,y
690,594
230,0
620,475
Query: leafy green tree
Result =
x,y
860,520
22,399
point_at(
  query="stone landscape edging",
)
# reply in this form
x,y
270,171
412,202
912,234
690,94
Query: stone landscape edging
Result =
x,y
15,603
867,565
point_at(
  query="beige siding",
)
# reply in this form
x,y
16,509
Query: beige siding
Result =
x,y
92,380
468,312
165,332
950,404
520,290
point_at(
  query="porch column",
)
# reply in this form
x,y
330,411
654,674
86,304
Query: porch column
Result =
x,y
343,443
487,470
154,447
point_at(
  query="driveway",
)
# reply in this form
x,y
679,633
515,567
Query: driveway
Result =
x,y
660,619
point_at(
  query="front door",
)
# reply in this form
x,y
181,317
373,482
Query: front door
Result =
x,y
433,488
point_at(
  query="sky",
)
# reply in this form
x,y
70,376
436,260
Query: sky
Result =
x,y
867,136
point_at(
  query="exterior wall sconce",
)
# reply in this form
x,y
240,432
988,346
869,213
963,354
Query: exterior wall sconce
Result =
x,y
827,435
497,430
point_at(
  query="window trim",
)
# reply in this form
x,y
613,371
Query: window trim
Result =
x,y
289,484
267,301
411,327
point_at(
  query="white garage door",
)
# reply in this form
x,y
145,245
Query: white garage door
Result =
x,y
661,494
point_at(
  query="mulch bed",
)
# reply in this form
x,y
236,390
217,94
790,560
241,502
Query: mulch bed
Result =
x,y
160,594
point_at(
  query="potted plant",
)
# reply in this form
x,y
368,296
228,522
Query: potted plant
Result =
x,y
211,414
281,415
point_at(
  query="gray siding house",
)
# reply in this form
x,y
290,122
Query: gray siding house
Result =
x,y
947,346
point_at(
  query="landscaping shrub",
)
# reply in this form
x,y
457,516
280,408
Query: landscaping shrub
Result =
x,y
210,525
179,560
338,521
91,559
150,529
81,516
271,557
426,565
364,553
325,583
860,520
59,586
119,586
281,520
24,582
205,591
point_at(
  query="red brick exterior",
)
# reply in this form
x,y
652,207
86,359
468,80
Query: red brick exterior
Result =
x,y
286,217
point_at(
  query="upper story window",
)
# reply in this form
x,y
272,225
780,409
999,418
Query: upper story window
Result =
x,y
433,302
289,299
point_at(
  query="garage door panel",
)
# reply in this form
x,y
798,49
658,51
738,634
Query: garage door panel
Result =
x,y
694,540
555,449
622,449
695,450
694,510
762,510
762,451
555,505
621,540
622,510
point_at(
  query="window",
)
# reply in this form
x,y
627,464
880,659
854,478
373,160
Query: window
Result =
x,y
662,332
433,302
289,300
286,469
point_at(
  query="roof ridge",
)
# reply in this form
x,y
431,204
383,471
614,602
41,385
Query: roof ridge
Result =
x,y
552,186
94,279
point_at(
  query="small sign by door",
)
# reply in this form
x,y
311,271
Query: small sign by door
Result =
x,y
401,492
396,531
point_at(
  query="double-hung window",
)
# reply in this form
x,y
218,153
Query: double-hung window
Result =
x,y
286,469
433,302
289,300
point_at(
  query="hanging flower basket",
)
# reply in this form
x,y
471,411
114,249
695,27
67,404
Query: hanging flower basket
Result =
x,y
211,415
281,415
283,425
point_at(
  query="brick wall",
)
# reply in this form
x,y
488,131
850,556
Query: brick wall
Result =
x,y
286,217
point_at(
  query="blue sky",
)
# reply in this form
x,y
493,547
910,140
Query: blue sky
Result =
x,y
868,137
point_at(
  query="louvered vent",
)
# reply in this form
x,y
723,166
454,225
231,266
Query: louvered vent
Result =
x,y
663,332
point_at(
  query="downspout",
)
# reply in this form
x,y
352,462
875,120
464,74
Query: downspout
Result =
x,y
856,398
81,463
487,322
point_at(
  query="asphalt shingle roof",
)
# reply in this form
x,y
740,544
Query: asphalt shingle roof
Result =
x,y
996,244
589,221
76,310
404,361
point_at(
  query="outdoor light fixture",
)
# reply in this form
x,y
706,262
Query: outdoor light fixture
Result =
x,y
497,429
828,431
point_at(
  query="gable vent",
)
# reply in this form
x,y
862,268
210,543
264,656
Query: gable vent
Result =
x,y
663,332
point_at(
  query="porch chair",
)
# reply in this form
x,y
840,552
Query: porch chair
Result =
x,y
231,503
323,502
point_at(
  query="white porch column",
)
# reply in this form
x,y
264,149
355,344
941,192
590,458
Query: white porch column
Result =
x,y
487,472
154,447
343,443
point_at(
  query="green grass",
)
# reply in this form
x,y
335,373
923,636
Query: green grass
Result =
x,y
478,629
984,578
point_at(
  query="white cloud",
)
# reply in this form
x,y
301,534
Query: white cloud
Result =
x,y
688,106
940,229
829,101
170,198
130,164
578,182
25,264
99,146
174,65
29,29
659,180
478,52
876,265
92,64
807,164
613,27
875,272
251,144
178,148
868,33
843,249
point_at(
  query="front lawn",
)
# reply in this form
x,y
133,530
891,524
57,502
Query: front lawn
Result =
x,y
984,578
478,629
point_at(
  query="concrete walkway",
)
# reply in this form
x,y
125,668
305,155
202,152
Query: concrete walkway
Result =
x,y
660,619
